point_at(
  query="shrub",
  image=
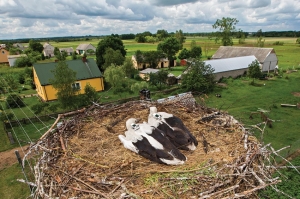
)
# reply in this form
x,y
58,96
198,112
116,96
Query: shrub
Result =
x,y
278,43
14,101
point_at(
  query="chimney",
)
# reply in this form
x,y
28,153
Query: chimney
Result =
x,y
84,59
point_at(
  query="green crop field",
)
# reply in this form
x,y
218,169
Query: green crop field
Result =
x,y
239,99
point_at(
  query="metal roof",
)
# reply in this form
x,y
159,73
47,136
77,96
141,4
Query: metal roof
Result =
x,y
149,70
84,70
230,64
231,51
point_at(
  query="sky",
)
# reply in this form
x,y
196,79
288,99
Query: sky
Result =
x,y
55,18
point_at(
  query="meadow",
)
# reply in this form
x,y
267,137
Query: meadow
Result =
x,y
239,99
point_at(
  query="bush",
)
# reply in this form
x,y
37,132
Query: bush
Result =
x,y
14,101
278,43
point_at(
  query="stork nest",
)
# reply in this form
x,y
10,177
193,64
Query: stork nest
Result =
x,y
84,158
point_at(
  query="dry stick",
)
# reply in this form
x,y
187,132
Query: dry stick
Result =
x,y
220,192
119,185
90,186
58,118
184,171
251,191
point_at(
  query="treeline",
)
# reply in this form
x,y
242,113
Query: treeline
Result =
x,y
129,36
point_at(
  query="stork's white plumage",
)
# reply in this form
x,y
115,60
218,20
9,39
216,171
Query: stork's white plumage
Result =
x,y
150,143
174,129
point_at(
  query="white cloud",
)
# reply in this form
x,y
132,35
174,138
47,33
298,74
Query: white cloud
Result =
x,y
47,18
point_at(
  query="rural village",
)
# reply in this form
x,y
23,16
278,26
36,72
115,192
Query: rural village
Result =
x,y
151,115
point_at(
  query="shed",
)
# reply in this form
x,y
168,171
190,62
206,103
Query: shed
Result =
x,y
266,56
12,59
81,48
230,67
162,63
69,50
144,73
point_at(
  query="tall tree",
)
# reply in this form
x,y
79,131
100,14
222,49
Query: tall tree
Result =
x,y
184,54
162,34
199,77
114,75
226,28
112,57
36,46
153,57
64,77
180,37
196,52
112,41
170,47
128,68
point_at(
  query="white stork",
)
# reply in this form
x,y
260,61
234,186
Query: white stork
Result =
x,y
150,143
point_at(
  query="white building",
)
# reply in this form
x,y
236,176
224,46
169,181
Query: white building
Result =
x,y
266,56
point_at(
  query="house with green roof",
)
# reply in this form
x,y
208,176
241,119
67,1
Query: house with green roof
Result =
x,y
87,72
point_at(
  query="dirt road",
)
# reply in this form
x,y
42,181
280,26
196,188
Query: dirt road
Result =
x,y
8,158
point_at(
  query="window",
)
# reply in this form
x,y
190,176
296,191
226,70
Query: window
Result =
x,y
76,86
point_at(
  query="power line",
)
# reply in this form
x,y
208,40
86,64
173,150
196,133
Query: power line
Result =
x,y
27,108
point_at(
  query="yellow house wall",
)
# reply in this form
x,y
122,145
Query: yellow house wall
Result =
x,y
3,56
48,93
97,83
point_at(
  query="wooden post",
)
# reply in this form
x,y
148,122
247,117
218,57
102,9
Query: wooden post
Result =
x,y
19,158
10,137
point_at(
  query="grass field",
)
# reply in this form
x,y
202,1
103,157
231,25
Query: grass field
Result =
x,y
239,99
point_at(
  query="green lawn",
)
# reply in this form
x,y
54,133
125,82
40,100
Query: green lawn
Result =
x,y
240,98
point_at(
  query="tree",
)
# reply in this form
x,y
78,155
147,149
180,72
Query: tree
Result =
x,y
180,37
158,79
14,101
193,44
36,46
184,54
112,57
196,52
254,70
90,94
74,56
298,41
113,42
38,108
153,57
63,84
226,28
199,77
11,81
162,34
23,61
260,42
170,47
114,75
128,68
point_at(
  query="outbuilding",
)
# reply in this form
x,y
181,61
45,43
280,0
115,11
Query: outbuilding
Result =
x,y
266,56
230,67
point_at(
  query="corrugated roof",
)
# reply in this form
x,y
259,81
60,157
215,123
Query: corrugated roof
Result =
x,y
230,64
149,70
231,51
84,70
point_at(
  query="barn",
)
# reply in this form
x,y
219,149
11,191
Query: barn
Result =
x,y
266,56
230,67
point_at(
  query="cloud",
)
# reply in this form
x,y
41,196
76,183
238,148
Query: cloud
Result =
x,y
48,18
